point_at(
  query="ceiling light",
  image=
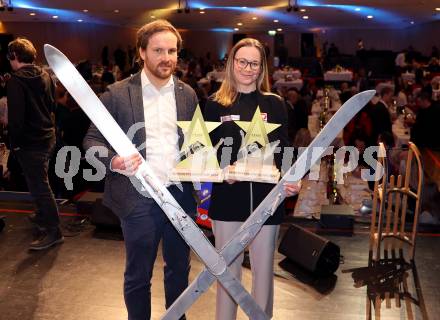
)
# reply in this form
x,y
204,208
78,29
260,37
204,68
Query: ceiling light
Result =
x,y
254,18
370,17
239,24
201,9
202,12
412,22
55,17
272,32
152,17
32,14
357,9
279,29
302,10
275,21
79,20
244,7
305,17
437,9
116,11
236,29
85,10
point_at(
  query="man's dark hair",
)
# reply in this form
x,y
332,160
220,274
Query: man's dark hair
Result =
x,y
147,31
293,89
23,50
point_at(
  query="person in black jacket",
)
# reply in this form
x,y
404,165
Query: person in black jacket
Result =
x,y
425,131
380,116
31,100
297,112
245,88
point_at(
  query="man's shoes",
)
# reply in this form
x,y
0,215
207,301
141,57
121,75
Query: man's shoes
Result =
x,y
47,240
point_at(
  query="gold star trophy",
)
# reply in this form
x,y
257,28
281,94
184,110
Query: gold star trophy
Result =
x,y
255,160
198,158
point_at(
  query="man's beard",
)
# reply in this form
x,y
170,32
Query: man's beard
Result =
x,y
155,70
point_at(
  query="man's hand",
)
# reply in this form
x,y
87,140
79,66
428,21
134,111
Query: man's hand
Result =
x,y
126,165
292,188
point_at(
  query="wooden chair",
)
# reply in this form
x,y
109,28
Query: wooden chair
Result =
x,y
390,229
391,199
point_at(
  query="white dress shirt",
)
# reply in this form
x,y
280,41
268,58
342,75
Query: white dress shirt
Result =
x,y
161,145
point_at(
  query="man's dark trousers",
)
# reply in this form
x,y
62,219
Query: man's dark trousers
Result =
x,y
143,229
35,166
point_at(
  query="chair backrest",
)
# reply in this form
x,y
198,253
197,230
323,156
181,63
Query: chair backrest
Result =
x,y
409,186
379,194
400,190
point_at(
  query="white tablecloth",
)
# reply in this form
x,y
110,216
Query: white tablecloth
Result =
x,y
338,76
4,111
281,74
401,133
4,155
313,194
297,83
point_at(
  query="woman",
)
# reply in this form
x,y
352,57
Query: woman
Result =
x,y
245,87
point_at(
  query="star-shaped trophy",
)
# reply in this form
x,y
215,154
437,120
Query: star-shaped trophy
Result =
x,y
197,157
255,159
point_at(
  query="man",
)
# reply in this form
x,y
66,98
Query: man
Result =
x,y
380,116
425,131
156,100
31,100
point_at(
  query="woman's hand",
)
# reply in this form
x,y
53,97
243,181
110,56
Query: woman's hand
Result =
x,y
126,165
230,181
292,189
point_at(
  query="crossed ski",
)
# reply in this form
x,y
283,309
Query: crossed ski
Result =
x,y
216,262
267,207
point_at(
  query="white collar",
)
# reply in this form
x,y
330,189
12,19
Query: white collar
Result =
x,y
146,82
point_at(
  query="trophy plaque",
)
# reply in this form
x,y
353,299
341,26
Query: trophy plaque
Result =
x,y
255,160
197,157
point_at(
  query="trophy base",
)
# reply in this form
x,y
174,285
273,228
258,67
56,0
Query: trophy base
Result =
x,y
265,174
184,175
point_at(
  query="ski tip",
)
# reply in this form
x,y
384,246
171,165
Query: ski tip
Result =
x,y
363,97
53,55
368,93
48,49
49,52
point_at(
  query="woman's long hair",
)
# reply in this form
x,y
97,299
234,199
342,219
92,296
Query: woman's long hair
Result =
x,y
227,93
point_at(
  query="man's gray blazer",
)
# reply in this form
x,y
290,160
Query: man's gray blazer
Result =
x,y
124,102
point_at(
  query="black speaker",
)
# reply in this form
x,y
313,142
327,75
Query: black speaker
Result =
x,y
310,251
2,223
